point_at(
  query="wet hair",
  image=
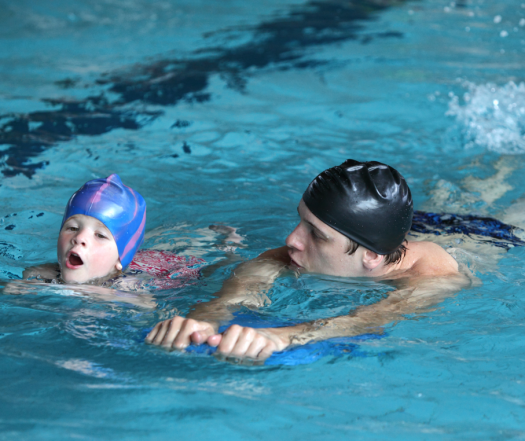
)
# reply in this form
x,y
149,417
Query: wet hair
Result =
x,y
393,257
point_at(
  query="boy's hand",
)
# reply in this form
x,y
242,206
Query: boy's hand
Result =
x,y
180,332
16,288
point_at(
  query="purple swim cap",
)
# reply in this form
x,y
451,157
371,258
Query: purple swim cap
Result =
x,y
121,209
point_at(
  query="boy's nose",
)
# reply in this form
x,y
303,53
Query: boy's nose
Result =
x,y
80,238
294,240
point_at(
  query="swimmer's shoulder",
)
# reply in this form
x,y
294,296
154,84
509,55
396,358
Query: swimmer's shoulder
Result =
x,y
429,259
49,271
280,254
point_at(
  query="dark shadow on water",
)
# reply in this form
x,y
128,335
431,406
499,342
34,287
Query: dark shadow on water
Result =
x,y
29,135
280,44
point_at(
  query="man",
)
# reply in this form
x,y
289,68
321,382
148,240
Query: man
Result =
x,y
354,219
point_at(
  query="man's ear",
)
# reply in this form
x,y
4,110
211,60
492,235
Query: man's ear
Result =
x,y
372,260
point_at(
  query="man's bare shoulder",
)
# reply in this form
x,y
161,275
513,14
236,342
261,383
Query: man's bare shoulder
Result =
x,y
280,254
429,259
268,265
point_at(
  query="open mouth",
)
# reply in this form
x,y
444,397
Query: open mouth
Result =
x,y
295,264
74,259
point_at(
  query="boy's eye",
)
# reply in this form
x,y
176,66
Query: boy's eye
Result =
x,y
101,236
71,228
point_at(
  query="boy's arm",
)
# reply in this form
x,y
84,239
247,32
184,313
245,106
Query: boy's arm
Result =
x,y
142,299
246,286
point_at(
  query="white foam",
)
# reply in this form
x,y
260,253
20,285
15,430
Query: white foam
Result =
x,y
493,117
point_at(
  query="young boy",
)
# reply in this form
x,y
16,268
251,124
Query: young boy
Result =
x,y
102,229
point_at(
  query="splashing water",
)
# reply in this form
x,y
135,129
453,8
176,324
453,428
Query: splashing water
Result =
x,y
494,117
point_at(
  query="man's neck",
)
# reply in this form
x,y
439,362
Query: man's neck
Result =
x,y
396,269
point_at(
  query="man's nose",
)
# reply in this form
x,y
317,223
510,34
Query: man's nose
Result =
x,y
295,239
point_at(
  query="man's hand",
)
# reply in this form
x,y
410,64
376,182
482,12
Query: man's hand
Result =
x,y
180,332
250,344
236,342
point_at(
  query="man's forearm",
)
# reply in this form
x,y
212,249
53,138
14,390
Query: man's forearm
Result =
x,y
366,319
344,326
246,286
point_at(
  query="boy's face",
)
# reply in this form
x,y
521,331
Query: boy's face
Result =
x,y
316,247
86,250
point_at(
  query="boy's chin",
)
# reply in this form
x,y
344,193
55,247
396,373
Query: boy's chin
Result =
x,y
76,277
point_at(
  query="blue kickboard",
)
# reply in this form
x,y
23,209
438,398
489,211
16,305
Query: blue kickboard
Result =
x,y
308,353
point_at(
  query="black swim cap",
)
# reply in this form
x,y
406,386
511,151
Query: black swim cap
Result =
x,y
368,202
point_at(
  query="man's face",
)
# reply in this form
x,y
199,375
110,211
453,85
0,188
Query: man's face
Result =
x,y
315,247
86,250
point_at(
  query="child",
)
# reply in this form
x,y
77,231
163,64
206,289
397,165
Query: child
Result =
x,y
102,228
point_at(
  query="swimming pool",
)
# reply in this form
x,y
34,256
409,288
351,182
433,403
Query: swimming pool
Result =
x,y
223,113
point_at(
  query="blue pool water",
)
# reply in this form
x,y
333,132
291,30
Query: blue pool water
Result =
x,y
223,113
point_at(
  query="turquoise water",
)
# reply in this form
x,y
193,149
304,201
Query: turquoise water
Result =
x,y
223,114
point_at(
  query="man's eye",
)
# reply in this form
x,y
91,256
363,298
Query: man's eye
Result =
x,y
317,236
72,228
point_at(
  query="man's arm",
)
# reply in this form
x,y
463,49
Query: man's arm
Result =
x,y
258,344
419,292
243,342
246,286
